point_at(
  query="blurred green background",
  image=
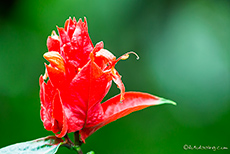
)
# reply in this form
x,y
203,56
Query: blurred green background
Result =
x,y
184,49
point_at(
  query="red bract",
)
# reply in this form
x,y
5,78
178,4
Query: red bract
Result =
x,y
77,79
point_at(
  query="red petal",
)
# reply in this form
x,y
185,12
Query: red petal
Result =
x,y
81,44
67,23
47,94
57,108
53,44
46,119
104,59
98,46
59,115
75,43
90,83
114,109
56,76
119,83
108,56
73,111
87,90
70,28
52,113
63,36
46,109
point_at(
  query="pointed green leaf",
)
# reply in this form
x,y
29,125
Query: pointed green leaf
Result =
x,y
46,145
167,101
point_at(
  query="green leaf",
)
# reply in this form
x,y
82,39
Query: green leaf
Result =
x,y
46,145
91,152
167,101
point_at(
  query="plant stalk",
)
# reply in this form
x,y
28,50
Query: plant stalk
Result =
x,y
77,140
69,144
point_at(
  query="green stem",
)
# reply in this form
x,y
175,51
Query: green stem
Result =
x,y
69,144
68,141
78,149
77,140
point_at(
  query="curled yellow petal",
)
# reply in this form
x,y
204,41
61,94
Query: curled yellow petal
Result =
x,y
126,56
55,60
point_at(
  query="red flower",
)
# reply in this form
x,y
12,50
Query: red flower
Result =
x,y
78,78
